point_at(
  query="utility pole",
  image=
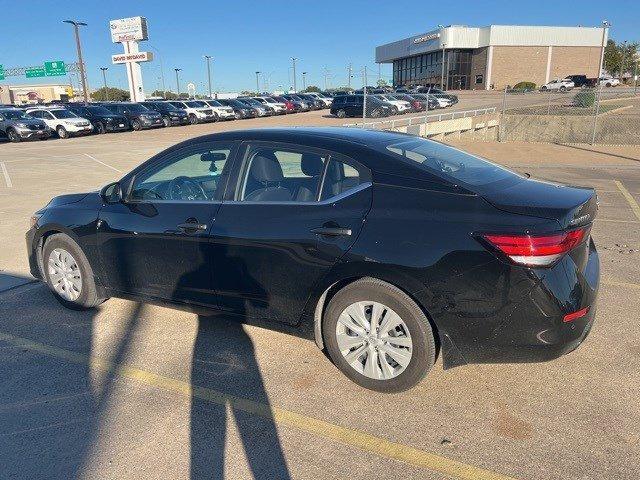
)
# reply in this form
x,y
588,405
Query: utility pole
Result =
x,y
326,75
85,87
208,59
349,76
177,82
295,89
257,83
104,79
442,75
304,81
379,73
624,58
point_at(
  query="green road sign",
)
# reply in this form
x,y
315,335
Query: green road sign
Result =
x,y
34,72
1,72
54,69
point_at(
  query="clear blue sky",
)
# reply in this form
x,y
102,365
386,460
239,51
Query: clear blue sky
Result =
x,y
245,36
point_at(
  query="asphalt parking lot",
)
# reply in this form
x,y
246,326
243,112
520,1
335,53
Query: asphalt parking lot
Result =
x,y
141,391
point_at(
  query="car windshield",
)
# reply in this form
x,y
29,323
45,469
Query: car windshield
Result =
x,y
459,166
196,104
99,110
214,103
63,114
12,114
136,108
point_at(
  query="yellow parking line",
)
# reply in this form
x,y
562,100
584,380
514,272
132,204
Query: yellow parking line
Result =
x,y
355,438
632,201
616,283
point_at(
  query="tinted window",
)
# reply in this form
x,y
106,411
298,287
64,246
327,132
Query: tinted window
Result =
x,y
192,174
282,174
343,176
63,114
12,114
450,162
136,108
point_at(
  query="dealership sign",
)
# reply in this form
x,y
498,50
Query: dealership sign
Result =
x,y
131,29
426,38
132,57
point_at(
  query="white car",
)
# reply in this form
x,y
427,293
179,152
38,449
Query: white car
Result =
x,y
609,82
62,121
198,112
279,107
401,105
561,85
327,101
223,112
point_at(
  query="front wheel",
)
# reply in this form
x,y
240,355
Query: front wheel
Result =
x,y
167,121
193,119
62,132
100,128
563,88
543,89
341,113
68,273
136,125
13,136
378,337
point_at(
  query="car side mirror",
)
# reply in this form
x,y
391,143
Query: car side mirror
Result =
x,y
111,193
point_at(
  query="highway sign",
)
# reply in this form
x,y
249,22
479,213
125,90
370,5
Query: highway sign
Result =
x,y
54,69
1,72
35,72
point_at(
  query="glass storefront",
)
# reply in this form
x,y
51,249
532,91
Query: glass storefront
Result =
x,y
426,69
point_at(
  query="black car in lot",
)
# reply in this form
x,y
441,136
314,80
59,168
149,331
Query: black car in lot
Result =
x,y
353,106
139,116
102,119
241,109
388,249
171,115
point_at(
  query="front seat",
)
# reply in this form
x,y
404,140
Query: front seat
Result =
x,y
311,165
267,172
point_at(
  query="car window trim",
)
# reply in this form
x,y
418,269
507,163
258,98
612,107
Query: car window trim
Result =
x,y
230,160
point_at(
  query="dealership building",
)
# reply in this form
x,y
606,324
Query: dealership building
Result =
x,y
493,57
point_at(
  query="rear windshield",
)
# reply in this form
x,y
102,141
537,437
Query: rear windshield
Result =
x,y
450,163
99,110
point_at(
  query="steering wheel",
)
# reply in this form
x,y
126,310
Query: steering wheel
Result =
x,y
184,188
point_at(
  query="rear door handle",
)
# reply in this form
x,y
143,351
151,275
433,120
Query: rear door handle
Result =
x,y
332,231
192,226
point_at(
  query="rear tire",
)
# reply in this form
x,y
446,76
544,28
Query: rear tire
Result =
x,y
83,297
414,344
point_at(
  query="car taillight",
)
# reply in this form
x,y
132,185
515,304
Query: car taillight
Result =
x,y
537,250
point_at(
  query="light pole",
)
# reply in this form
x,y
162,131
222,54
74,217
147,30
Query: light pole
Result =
x,y
177,82
295,89
208,58
258,83
605,28
444,45
348,76
304,81
85,88
624,57
164,89
104,79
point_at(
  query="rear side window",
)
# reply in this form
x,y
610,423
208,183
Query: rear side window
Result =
x,y
342,176
450,163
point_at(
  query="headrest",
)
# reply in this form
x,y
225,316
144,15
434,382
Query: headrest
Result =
x,y
311,164
266,169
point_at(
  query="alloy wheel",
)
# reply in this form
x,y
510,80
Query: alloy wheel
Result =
x,y
374,340
64,274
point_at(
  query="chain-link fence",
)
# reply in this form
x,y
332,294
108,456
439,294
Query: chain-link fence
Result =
x,y
601,115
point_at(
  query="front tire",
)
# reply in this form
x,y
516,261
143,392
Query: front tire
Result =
x,y
62,132
193,119
167,121
100,128
341,113
13,136
68,273
378,337
136,125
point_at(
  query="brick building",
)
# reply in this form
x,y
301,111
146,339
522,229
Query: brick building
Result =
x,y
484,58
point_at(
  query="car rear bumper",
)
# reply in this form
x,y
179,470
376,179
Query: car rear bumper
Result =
x,y
530,325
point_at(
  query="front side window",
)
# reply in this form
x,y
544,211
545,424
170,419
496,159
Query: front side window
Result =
x,y
281,174
192,174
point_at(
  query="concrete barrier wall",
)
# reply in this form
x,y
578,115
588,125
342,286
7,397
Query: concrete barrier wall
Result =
x,y
610,130
482,127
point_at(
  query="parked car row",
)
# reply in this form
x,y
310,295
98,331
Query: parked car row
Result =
x,y
75,119
579,81
387,104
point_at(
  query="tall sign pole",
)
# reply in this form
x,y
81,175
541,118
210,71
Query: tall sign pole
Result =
x,y
129,32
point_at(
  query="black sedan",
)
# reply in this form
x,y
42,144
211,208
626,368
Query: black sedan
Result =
x,y
391,249
102,119
171,115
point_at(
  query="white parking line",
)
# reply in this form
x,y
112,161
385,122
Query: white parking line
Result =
x,y
102,163
5,172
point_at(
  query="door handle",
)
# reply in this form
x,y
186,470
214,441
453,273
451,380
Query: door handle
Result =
x,y
192,226
332,231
